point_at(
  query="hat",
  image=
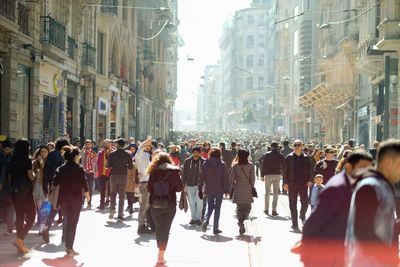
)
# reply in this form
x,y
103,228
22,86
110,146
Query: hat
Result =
x,y
133,145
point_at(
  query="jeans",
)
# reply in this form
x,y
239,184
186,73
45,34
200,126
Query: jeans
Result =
x,y
71,210
195,203
294,191
273,180
143,203
214,201
25,212
90,179
118,185
104,189
163,219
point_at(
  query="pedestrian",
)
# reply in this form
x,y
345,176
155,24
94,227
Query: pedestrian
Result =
x,y
242,179
39,160
271,173
19,172
71,178
315,190
103,173
174,154
164,182
5,187
315,157
326,225
286,150
234,150
327,166
374,150
120,161
226,155
205,154
298,177
371,234
131,187
215,178
89,163
142,160
54,160
190,177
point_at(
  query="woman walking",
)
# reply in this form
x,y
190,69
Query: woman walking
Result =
x,y
39,159
214,176
164,182
242,180
19,172
71,178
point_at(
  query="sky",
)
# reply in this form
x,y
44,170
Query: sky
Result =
x,y
200,27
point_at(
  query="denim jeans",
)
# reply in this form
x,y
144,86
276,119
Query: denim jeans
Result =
x,y
118,185
273,180
195,203
214,201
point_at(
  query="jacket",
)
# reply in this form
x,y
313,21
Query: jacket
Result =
x,y
102,169
120,161
214,176
242,180
273,163
227,158
174,182
54,160
371,236
93,160
190,174
289,175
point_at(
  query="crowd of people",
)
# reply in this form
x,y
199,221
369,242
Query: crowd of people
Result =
x,y
349,188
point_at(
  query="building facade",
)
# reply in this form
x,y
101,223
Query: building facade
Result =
x,y
92,70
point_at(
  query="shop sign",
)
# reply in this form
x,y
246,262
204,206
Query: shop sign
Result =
x,y
102,106
1,66
44,81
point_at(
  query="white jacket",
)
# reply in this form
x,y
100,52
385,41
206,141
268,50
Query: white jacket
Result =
x,y
142,160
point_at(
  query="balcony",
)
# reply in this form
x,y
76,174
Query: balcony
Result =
x,y
72,46
53,33
7,9
23,19
89,55
109,7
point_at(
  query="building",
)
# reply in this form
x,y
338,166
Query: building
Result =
x,y
92,70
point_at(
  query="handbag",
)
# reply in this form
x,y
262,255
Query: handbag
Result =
x,y
183,203
253,189
53,197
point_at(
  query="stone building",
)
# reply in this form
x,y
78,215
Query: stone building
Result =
x,y
92,69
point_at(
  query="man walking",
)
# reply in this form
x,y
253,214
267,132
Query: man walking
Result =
x,y
190,176
327,166
271,173
120,161
104,173
298,177
371,235
89,163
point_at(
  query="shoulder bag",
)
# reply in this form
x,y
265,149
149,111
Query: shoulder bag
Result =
x,y
253,189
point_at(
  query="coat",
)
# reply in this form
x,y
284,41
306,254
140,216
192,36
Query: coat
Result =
x,y
214,176
132,176
242,180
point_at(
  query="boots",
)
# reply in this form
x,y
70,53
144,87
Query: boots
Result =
x,y
19,244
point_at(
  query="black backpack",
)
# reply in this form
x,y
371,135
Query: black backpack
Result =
x,y
161,192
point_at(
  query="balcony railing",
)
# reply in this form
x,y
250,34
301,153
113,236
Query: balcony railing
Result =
x,y
89,55
53,32
109,7
23,19
7,9
72,46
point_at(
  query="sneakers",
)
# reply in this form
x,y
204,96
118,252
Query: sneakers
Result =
x,y
217,232
274,213
192,222
204,227
242,230
112,213
266,212
45,235
120,217
71,252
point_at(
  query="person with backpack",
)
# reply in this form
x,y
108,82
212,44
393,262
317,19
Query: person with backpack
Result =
x,y
164,182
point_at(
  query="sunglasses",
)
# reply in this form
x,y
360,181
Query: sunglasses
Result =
x,y
297,145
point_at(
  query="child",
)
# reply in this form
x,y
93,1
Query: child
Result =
x,y
316,189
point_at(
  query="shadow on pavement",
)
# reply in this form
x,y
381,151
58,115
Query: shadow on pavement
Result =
x,y
196,228
18,261
145,238
49,248
249,238
66,261
116,224
216,238
278,218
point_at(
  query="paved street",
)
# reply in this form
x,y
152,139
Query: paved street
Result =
x,y
104,242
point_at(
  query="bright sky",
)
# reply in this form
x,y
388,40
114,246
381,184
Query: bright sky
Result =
x,y
201,23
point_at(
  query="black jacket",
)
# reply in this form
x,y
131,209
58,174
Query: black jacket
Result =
x,y
54,160
273,163
191,171
289,175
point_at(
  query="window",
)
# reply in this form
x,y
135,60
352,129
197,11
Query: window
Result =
x,y
261,61
249,83
262,40
261,20
250,41
249,61
250,20
100,53
260,82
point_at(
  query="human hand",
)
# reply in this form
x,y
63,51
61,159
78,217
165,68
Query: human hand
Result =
x,y
309,184
226,195
286,187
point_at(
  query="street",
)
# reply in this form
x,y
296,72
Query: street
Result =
x,y
104,242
